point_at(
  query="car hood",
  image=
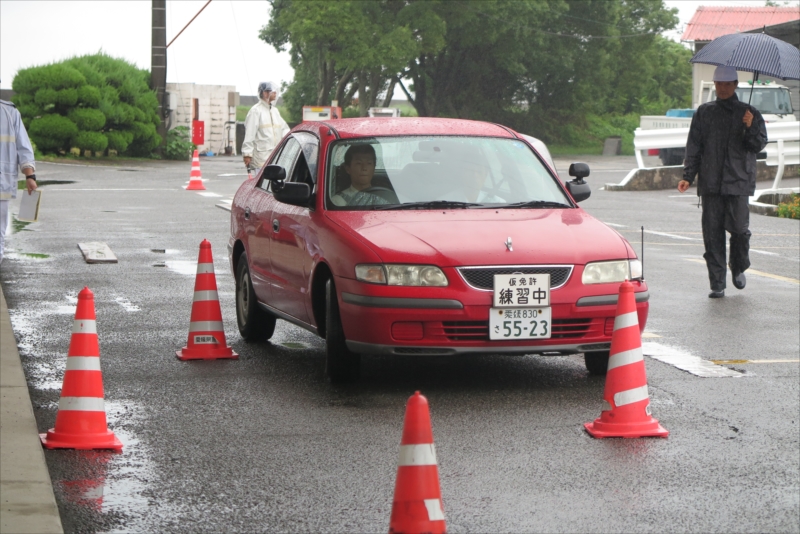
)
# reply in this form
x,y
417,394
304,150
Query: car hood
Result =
x,y
479,237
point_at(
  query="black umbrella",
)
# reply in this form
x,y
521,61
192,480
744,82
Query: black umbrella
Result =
x,y
752,52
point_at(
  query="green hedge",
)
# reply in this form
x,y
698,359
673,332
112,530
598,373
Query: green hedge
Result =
x,y
92,102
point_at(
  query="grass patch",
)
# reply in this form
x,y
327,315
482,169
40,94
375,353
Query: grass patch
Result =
x,y
40,183
790,209
566,150
35,255
18,225
102,160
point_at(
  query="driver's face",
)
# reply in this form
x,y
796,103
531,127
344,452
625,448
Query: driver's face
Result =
x,y
361,170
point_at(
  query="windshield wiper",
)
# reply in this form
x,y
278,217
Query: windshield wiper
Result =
x,y
432,204
536,204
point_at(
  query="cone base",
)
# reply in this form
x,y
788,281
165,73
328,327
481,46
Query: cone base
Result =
x,y
208,354
646,429
60,440
195,185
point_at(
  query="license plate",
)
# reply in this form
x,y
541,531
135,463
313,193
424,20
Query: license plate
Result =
x,y
521,290
519,323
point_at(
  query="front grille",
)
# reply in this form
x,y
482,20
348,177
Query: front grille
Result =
x,y
483,277
479,330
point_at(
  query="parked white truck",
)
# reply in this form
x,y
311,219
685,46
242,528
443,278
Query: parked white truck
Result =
x,y
771,99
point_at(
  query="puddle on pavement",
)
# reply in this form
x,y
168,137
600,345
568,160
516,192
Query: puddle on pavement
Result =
x,y
188,268
295,345
109,483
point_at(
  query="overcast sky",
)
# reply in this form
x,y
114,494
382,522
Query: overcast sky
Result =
x,y
221,47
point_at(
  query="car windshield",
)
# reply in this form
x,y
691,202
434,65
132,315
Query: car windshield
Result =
x,y
415,172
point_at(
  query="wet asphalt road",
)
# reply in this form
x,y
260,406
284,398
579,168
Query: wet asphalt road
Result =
x,y
265,443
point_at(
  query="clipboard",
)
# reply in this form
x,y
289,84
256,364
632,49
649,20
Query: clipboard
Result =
x,y
29,206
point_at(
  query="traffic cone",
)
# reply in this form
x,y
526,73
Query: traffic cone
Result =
x,y
417,505
626,402
206,333
81,417
196,177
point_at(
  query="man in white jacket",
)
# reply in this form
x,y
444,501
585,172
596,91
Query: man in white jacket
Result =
x,y
264,128
16,153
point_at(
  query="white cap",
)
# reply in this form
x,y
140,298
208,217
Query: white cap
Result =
x,y
725,74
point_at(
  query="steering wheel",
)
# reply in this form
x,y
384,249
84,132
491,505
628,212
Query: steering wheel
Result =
x,y
374,188
383,192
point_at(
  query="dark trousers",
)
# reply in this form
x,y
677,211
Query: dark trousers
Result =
x,y
721,213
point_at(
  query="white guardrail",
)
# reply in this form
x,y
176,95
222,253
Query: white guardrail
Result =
x,y
783,147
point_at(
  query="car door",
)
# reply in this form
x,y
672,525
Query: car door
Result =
x,y
258,213
292,248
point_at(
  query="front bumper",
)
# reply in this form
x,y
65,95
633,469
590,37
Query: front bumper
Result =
x,y
445,326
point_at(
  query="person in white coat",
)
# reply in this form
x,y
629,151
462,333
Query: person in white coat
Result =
x,y
264,128
16,154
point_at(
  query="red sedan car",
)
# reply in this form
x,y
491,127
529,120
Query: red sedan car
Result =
x,y
426,237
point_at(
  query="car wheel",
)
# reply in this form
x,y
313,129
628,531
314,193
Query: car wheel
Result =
x,y
596,362
341,365
254,323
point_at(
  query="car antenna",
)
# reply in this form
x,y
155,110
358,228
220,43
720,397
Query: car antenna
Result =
x,y
642,260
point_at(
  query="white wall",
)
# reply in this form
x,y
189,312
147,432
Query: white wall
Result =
x,y
213,111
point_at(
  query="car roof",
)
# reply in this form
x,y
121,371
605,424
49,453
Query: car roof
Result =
x,y
383,127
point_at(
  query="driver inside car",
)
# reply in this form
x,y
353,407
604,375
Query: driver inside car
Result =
x,y
359,164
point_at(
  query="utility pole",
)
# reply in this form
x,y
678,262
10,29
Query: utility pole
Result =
x,y
158,63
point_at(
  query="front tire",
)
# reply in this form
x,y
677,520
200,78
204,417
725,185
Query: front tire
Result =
x,y
341,364
596,362
254,323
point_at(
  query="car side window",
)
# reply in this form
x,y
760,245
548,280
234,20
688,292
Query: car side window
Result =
x,y
285,159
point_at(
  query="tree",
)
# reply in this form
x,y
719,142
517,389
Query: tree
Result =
x,y
92,102
535,64
342,48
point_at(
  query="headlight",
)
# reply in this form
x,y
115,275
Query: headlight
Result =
x,y
401,275
606,272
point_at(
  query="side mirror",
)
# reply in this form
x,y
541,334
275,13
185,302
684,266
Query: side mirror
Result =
x,y
578,187
294,193
580,191
579,171
275,174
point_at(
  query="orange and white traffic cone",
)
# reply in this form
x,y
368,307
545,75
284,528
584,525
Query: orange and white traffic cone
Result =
x,y
196,177
206,333
417,505
626,401
81,417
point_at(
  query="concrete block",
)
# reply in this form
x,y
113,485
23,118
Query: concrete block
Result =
x,y
612,146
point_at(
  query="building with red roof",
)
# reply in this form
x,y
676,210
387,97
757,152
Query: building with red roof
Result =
x,y
708,23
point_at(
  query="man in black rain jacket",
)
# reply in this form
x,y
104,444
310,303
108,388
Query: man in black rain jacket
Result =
x,y
724,138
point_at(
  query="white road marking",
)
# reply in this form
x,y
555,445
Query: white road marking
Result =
x,y
757,273
764,252
230,174
673,236
126,304
209,194
616,225
687,362
744,362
